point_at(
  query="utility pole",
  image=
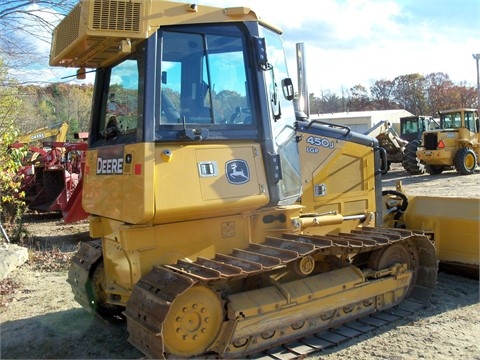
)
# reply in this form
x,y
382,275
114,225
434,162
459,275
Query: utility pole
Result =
x,y
477,58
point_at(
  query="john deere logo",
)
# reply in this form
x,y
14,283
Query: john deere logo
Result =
x,y
237,172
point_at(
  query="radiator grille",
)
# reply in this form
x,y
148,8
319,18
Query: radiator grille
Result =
x,y
116,15
430,141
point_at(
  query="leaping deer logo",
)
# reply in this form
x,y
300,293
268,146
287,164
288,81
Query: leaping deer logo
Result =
x,y
237,172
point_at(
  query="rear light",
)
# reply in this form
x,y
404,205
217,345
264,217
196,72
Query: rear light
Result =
x,y
441,144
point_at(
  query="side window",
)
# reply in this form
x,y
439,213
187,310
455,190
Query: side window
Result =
x,y
170,93
122,102
123,96
470,121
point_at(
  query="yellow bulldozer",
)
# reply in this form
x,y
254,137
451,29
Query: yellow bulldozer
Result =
x,y
224,222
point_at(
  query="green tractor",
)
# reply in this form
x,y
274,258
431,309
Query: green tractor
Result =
x,y
411,130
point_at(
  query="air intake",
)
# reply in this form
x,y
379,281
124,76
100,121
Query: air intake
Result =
x,y
91,34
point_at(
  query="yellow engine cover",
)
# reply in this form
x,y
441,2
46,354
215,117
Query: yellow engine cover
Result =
x,y
210,180
337,176
145,183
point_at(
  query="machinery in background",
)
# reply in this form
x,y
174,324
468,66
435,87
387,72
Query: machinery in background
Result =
x,y
37,153
455,144
411,130
57,182
51,173
390,141
401,148
57,132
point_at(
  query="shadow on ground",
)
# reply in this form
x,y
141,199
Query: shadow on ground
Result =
x,y
72,334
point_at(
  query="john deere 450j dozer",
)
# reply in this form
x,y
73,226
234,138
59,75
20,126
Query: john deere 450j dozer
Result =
x,y
204,239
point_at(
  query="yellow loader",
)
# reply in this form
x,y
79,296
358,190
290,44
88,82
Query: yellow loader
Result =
x,y
456,144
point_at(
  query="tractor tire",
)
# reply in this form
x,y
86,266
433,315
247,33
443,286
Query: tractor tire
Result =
x,y
434,169
410,162
465,161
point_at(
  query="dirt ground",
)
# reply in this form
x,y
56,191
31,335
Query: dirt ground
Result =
x,y
40,319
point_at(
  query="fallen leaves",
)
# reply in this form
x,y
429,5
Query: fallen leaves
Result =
x,y
51,260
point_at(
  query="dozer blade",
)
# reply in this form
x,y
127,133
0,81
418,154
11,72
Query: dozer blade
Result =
x,y
454,224
215,308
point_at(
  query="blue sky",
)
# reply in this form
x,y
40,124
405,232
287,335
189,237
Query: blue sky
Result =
x,y
350,42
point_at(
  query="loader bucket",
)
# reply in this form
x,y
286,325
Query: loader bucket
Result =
x,y
455,227
73,210
35,185
53,195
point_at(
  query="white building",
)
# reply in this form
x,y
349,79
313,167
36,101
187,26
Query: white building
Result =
x,y
362,121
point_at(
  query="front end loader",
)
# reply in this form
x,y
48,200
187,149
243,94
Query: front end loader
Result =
x,y
454,145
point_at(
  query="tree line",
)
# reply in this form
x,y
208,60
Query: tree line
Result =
x,y
40,106
52,104
416,93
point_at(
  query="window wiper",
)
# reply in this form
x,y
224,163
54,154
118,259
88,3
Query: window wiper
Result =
x,y
196,134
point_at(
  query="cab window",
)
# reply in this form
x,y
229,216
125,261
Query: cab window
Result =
x,y
203,82
121,115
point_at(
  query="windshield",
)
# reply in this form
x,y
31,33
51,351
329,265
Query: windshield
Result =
x,y
451,120
410,126
204,82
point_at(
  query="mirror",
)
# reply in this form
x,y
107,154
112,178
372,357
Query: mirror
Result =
x,y
287,87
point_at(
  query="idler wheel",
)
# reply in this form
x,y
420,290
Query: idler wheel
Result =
x,y
386,257
193,322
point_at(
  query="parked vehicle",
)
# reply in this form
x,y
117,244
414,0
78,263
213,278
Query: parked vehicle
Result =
x,y
224,222
455,144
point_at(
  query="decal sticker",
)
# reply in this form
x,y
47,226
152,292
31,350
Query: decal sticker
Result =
x,y
110,161
318,141
237,172
109,166
207,168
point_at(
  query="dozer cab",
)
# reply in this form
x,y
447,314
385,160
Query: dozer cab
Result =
x,y
455,144
203,238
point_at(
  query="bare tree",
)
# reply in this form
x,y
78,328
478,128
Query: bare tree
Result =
x,y
382,95
25,31
359,99
409,93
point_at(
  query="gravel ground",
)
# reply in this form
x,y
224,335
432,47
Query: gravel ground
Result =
x,y
40,319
